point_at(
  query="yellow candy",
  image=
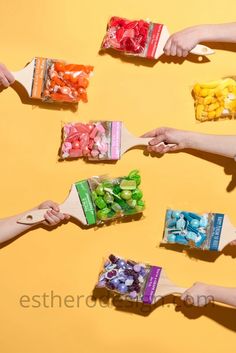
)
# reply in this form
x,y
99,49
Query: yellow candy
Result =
x,y
211,115
207,100
213,106
196,88
219,112
205,92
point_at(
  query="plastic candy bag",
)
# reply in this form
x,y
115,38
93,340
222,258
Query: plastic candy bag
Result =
x,y
191,229
131,280
65,82
136,37
215,100
108,199
97,140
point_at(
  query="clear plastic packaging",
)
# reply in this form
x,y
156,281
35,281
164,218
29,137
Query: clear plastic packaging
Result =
x,y
215,100
108,199
132,37
97,140
196,230
65,82
132,280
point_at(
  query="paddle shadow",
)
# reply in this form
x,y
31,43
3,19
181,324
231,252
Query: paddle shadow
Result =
x,y
164,59
223,315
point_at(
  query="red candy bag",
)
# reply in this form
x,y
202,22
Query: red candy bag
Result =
x,y
138,38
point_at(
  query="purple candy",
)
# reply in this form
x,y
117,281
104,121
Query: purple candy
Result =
x,y
101,284
121,264
122,288
137,268
111,274
133,294
115,281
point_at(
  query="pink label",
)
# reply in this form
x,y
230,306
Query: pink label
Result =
x,y
154,40
115,140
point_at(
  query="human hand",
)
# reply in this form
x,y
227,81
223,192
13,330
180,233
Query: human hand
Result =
x,y
6,78
197,295
53,216
180,43
167,135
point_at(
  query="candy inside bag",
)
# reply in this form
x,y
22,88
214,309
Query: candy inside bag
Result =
x,y
115,198
97,140
215,100
65,82
132,37
190,229
132,280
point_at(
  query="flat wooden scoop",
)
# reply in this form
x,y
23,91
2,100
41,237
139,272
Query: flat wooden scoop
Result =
x,y
32,76
78,205
158,286
161,35
122,140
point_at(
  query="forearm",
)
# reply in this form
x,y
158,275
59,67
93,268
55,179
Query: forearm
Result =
x,y
217,32
224,145
9,228
223,294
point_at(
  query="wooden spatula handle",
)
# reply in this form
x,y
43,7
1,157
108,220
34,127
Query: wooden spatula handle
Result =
x,y
33,217
202,50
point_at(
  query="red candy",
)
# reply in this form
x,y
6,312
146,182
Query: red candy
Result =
x,y
127,36
66,82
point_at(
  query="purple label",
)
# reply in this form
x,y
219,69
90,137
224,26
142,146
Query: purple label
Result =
x,y
115,139
151,284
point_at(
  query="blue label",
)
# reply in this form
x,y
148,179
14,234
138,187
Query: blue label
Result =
x,y
216,231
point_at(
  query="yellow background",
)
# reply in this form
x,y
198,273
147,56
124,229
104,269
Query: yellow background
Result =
x,y
67,260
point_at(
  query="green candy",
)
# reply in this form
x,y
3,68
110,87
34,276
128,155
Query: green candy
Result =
x,y
100,190
100,203
116,207
140,203
103,214
128,184
116,189
94,195
137,194
131,202
139,208
108,198
134,175
126,194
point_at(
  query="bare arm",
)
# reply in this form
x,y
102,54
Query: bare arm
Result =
x,y
10,228
224,145
201,294
180,43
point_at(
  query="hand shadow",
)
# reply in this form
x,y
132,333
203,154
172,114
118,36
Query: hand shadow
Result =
x,y
228,164
203,255
139,61
225,316
25,99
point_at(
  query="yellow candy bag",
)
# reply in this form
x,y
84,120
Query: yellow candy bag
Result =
x,y
215,100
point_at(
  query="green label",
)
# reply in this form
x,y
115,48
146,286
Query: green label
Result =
x,y
86,200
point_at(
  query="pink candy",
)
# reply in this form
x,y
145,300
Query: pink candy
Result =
x,y
85,140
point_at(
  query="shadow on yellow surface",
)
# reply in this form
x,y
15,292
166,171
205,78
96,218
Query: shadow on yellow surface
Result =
x,y
139,61
223,315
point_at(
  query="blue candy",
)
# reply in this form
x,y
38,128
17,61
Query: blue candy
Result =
x,y
194,215
201,240
179,239
194,223
191,236
180,224
171,238
203,222
176,214
168,214
171,223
